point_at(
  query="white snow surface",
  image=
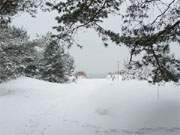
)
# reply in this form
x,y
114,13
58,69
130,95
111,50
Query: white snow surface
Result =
x,y
88,107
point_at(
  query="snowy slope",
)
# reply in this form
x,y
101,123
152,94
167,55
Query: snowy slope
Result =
x,y
88,107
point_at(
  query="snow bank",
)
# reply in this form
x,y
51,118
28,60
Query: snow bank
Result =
x,y
88,107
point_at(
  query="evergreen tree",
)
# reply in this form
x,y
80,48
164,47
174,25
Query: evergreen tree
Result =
x,y
9,8
42,58
147,36
19,56
56,65
12,52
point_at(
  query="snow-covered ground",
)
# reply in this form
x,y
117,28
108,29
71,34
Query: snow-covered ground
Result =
x,y
88,107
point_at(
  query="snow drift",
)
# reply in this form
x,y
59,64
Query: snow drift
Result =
x,y
88,107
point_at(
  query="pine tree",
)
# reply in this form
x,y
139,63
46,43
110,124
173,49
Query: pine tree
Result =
x,y
10,8
56,65
148,36
16,53
10,49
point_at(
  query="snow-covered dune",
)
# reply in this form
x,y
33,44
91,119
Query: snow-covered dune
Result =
x,y
88,107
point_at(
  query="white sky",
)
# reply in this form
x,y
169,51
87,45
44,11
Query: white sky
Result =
x,y
94,58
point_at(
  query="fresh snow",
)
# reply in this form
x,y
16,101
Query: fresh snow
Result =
x,y
88,107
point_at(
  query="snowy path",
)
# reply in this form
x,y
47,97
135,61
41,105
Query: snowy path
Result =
x,y
90,107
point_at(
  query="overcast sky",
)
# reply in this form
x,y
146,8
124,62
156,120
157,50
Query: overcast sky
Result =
x,y
94,58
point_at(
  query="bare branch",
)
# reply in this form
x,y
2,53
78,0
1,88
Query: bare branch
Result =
x,y
169,5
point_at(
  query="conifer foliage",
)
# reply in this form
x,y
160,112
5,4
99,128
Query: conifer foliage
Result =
x,y
13,52
147,27
19,56
56,65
